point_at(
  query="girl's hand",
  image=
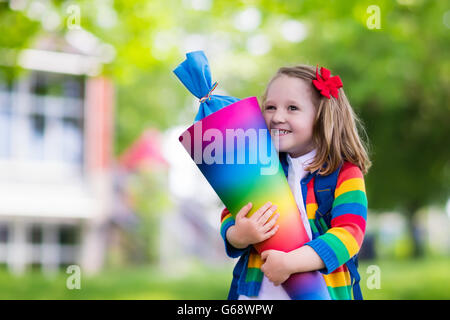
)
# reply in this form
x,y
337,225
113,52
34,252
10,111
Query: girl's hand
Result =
x,y
276,266
255,229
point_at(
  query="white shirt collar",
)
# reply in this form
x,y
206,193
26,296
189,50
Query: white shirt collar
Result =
x,y
300,163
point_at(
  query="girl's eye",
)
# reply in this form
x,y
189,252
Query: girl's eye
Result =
x,y
270,108
292,108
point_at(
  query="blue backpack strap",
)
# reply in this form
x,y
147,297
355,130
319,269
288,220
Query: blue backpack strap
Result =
x,y
324,187
352,266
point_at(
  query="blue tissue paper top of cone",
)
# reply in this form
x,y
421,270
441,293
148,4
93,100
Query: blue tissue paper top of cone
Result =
x,y
195,74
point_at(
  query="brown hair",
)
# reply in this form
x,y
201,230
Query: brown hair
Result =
x,y
335,131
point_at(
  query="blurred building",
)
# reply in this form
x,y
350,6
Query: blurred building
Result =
x,y
55,158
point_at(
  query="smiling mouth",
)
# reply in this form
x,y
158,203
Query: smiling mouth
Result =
x,y
279,132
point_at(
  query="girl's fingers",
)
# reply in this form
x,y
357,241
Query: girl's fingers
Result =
x,y
267,215
244,211
271,223
261,211
271,232
264,255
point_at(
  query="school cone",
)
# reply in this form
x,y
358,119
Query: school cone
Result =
x,y
233,149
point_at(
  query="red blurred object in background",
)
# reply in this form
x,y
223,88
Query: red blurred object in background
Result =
x,y
144,152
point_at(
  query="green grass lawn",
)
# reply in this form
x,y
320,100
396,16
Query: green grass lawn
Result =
x,y
422,279
409,279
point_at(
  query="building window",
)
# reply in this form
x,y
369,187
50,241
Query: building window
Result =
x,y
4,233
68,235
5,121
35,234
42,119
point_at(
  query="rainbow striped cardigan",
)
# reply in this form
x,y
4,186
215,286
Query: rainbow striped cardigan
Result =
x,y
339,242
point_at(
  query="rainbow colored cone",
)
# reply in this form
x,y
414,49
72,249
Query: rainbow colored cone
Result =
x,y
239,177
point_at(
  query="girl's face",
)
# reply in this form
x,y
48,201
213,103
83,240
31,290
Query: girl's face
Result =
x,y
289,113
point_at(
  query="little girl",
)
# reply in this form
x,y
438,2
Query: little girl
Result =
x,y
316,129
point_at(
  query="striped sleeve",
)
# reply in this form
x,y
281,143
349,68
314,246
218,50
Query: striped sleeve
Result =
x,y
348,220
227,220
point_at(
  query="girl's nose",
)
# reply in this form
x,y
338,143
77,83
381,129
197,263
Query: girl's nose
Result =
x,y
279,116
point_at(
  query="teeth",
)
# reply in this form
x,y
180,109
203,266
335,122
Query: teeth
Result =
x,y
278,131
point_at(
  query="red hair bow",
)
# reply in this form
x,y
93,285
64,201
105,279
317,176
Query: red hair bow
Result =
x,y
327,85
